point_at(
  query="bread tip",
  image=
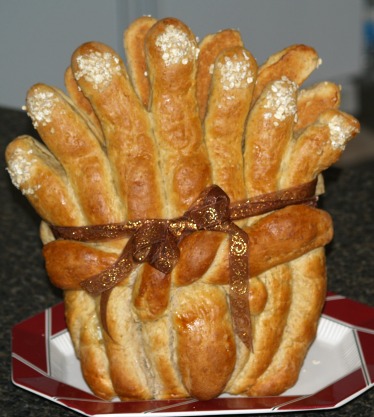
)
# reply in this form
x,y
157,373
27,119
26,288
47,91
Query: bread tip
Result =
x,y
175,43
97,67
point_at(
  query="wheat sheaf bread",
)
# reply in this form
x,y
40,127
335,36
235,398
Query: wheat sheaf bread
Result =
x,y
143,141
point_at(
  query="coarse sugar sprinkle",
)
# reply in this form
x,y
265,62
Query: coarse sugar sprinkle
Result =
x,y
338,132
40,105
176,47
235,72
280,100
19,169
97,68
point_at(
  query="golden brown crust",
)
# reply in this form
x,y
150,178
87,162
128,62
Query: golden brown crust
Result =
x,y
295,62
81,103
151,293
84,328
308,289
68,263
126,126
205,339
313,101
160,349
318,147
171,56
267,328
230,96
268,132
124,348
66,133
133,42
210,47
275,239
42,179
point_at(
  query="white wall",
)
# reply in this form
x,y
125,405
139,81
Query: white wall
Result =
x,y
39,36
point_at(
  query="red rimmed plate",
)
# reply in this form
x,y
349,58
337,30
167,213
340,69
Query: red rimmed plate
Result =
x,y
339,367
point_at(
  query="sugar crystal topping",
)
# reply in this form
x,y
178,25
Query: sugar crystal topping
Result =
x,y
280,100
338,133
97,68
19,168
40,106
235,73
176,47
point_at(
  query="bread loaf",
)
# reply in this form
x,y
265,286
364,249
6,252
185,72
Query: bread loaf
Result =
x,y
134,150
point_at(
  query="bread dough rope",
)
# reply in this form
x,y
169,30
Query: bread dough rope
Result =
x,y
87,167
183,162
295,62
204,255
308,271
129,140
233,81
319,145
313,101
134,157
171,51
210,47
122,384
43,178
264,385
62,130
268,133
130,145
133,42
81,103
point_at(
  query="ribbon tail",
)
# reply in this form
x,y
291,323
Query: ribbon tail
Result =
x,y
239,306
239,284
113,275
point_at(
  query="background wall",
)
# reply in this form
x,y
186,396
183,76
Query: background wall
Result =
x,y
39,36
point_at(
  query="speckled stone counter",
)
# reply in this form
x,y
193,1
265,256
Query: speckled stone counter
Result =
x,y
25,289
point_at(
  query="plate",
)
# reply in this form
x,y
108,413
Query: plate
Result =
x,y
339,367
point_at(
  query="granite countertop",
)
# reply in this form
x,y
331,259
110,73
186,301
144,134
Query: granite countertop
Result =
x,y
25,289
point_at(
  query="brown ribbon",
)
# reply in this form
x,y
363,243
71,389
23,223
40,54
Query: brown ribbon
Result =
x,y
156,241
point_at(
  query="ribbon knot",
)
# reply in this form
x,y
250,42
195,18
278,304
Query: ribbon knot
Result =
x,y
211,209
156,241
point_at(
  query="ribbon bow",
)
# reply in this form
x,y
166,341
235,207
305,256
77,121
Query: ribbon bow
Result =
x,y
156,241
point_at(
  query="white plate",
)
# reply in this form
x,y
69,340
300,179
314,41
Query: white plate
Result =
x,y
339,367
